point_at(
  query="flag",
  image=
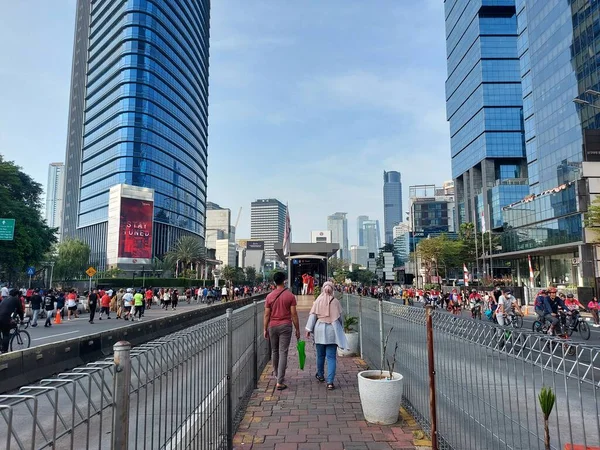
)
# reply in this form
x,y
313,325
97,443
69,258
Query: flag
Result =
x,y
287,234
466,275
483,230
530,270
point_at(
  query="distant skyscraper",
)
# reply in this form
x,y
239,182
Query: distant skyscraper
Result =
x,y
372,236
267,223
138,115
359,229
338,225
54,195
392,203
359,255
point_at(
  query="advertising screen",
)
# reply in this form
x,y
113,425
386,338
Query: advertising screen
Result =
x,y
255,245
135,228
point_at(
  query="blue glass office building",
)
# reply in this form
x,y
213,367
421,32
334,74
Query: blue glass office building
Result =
x,y
559,49
484,108
392,203
138,115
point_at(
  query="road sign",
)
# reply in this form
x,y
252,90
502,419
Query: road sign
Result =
x,y
31,271
7,229
90,272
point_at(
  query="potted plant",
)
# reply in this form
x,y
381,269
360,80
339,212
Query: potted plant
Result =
x,y
351,336
381,391
547,398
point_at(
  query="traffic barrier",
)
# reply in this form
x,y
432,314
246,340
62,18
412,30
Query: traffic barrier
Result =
x,y
33,364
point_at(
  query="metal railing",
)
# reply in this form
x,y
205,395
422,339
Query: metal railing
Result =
x,y
487,378
187,390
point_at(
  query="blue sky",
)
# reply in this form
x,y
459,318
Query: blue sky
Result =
x,y
310,100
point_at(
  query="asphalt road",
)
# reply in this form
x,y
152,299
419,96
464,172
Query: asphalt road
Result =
x,y
81,326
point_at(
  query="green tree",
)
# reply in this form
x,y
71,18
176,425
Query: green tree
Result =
x,y
20,199
259,278
229,273
466,235
592,219
188,250
440,253
73,258
251,275
337,265
365,277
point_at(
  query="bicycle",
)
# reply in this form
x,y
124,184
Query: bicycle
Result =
x,y
577,323
20,339
541,325
514,319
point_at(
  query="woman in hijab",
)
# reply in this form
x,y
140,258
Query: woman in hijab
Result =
x,y
325,322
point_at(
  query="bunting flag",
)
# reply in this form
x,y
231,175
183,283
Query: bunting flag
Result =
x,y
466,275
530,270
287,235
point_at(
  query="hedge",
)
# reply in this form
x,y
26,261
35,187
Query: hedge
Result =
x,y
117,283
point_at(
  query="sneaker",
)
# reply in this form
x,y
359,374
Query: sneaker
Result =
x,y
596,325
99,318
108,317
69,319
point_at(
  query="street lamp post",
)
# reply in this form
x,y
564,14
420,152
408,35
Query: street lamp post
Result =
x,y
411,216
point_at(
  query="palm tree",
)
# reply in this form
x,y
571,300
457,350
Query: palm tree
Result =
x,y
188,250
547,399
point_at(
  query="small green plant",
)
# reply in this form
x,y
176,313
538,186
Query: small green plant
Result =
x,y
349,322
547,399
393,363
317,291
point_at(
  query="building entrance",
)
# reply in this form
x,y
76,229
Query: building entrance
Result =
x,y
314,267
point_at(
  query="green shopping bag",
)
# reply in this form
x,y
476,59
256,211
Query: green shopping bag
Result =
x,y
301,353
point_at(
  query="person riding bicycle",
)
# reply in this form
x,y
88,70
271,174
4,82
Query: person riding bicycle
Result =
x,y
507,305
573,306
551,305
538,304
8,306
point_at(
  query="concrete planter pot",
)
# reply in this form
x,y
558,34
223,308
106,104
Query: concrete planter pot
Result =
x,y
353,345
380,398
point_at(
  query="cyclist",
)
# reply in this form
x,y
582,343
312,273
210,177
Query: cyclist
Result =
x,y
573,305
507,304
8,306
538,304
550,309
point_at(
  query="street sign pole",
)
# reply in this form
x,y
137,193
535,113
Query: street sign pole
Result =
x,y
29,282
90,290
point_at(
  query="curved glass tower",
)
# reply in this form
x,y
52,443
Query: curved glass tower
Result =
x,y
138,115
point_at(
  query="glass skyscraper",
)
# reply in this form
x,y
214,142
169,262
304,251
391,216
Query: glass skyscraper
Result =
x,y
559,53
392,203
485,108
138,115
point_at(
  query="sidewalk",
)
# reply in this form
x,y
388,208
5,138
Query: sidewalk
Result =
x,y
308,417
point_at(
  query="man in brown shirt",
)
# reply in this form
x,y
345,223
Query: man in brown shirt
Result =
x,y
280,314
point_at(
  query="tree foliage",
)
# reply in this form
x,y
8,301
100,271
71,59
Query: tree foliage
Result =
x,y
250,275
188,250
72,260
592,218
20,199
441,253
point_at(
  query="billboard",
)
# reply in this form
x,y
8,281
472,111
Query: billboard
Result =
x,y
255,245
135,229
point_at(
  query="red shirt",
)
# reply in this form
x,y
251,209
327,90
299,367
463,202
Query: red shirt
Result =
x,y
105,301
149,294
281,307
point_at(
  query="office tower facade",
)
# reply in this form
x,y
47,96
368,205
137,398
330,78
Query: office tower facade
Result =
x,y
54,195
392,203
338,225
359,255
138,116
559,63
484,107
431,209
218,225
267,224
359,229
372,236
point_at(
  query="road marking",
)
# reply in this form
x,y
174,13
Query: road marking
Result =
x,y
55,335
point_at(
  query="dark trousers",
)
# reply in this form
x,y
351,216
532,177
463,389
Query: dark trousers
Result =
x,y
92,311
280,337
5,330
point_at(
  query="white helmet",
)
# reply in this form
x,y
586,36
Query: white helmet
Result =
x,y
129,290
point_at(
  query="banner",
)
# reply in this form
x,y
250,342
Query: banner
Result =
x,y
530,270
287,235
466,275
135,228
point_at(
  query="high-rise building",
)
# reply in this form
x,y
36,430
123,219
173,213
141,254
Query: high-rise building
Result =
x,y
372,236
559,62
359,255
392,203
431,209
218,225
485,107
338,225
267,224
54,195
359,229
138,114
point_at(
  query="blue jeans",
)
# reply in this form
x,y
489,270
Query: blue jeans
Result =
x,y
36,312
328,351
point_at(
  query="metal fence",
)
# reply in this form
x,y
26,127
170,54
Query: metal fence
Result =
x,y
487,378
187,390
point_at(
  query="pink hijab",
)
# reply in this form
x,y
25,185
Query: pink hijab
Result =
x,y
326,307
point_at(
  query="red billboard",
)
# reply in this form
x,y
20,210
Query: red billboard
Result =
x,y
135,228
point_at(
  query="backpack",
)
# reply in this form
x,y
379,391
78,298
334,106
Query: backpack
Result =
x,y
539,302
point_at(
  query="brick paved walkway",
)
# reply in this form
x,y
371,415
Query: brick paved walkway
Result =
x,y
307,416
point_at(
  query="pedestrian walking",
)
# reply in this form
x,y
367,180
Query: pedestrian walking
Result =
x,y
127,302
138,302
49,300
280,314
93,304
71,301
325,323
36,306
594,308
105,305
174,299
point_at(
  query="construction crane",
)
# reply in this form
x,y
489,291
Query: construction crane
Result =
x,y
237,222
